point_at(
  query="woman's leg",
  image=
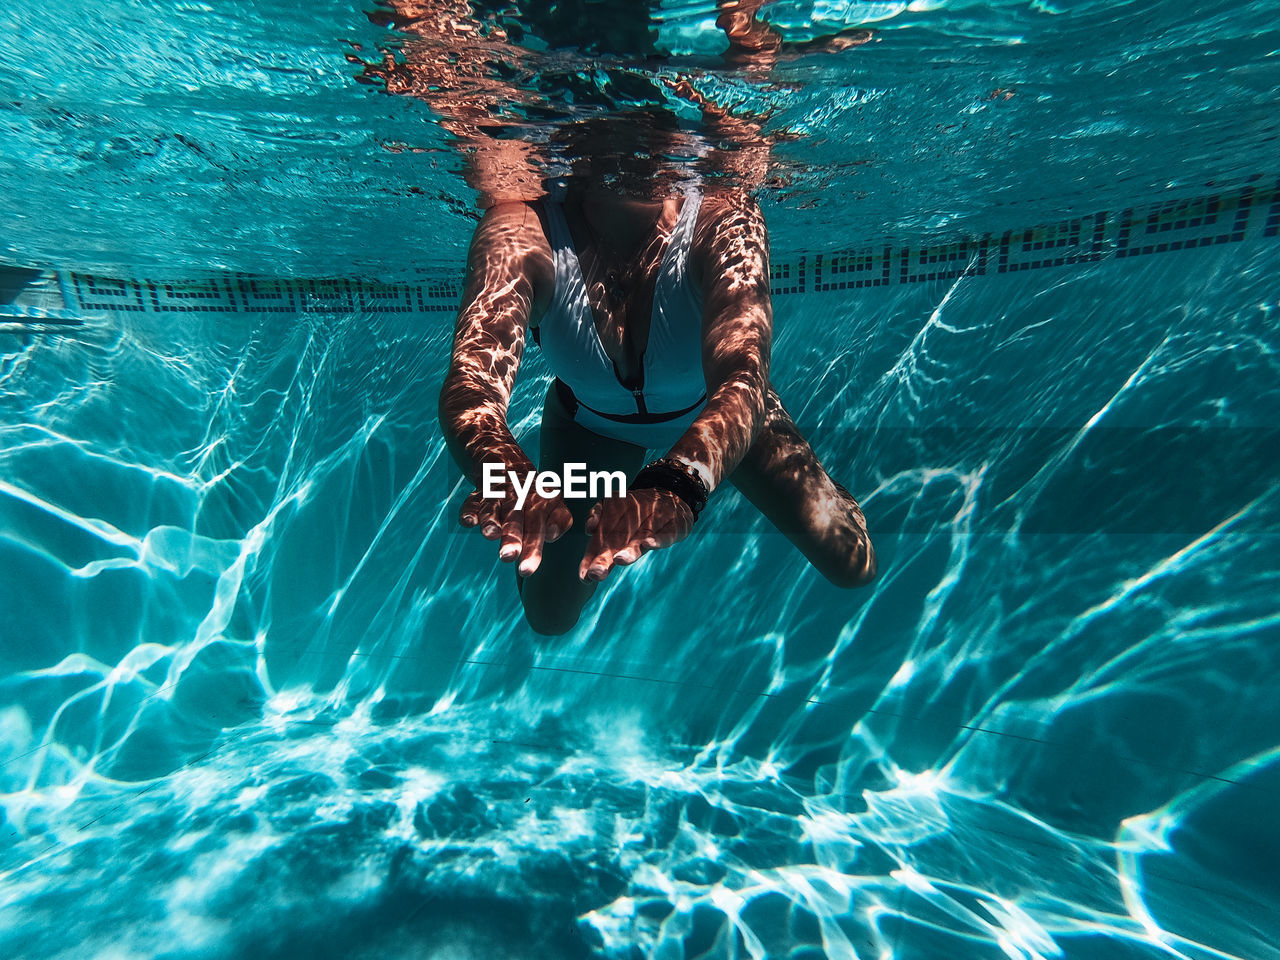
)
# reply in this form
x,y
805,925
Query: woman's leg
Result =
x,y
553,596
781,475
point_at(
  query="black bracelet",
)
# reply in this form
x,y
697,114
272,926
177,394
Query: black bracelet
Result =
x,y
671,474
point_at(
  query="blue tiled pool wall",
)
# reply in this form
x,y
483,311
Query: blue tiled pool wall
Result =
x,y
1136,231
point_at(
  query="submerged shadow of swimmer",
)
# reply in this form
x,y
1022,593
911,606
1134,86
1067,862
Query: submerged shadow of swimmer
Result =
x,y
649,294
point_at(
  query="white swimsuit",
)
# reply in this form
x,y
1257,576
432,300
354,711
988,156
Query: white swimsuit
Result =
x,y
671,391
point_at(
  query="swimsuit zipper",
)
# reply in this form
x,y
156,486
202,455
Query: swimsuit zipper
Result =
x,y
638,392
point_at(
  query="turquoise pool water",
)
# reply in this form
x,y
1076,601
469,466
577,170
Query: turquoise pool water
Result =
x,y
260,697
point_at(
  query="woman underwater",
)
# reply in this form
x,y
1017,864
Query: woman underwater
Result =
x,y
652,306
649,295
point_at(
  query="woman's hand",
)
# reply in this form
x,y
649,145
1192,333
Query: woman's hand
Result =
x,y
522,531
624,528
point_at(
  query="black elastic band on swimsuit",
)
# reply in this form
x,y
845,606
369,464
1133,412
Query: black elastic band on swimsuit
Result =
x,y
676,476
572,403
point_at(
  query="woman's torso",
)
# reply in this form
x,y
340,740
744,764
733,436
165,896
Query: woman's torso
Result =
x,y
622,328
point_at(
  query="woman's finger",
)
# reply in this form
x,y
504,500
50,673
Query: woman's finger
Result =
x,y
595,562
485,514
469,515
599,566
559,524
627,555
489,524
512,536
531,544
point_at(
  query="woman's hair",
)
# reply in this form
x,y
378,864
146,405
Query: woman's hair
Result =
x,y
634,151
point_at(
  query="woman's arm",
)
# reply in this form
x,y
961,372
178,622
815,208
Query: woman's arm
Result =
x,y
732,258
731,261
488,340
444,55
508,277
